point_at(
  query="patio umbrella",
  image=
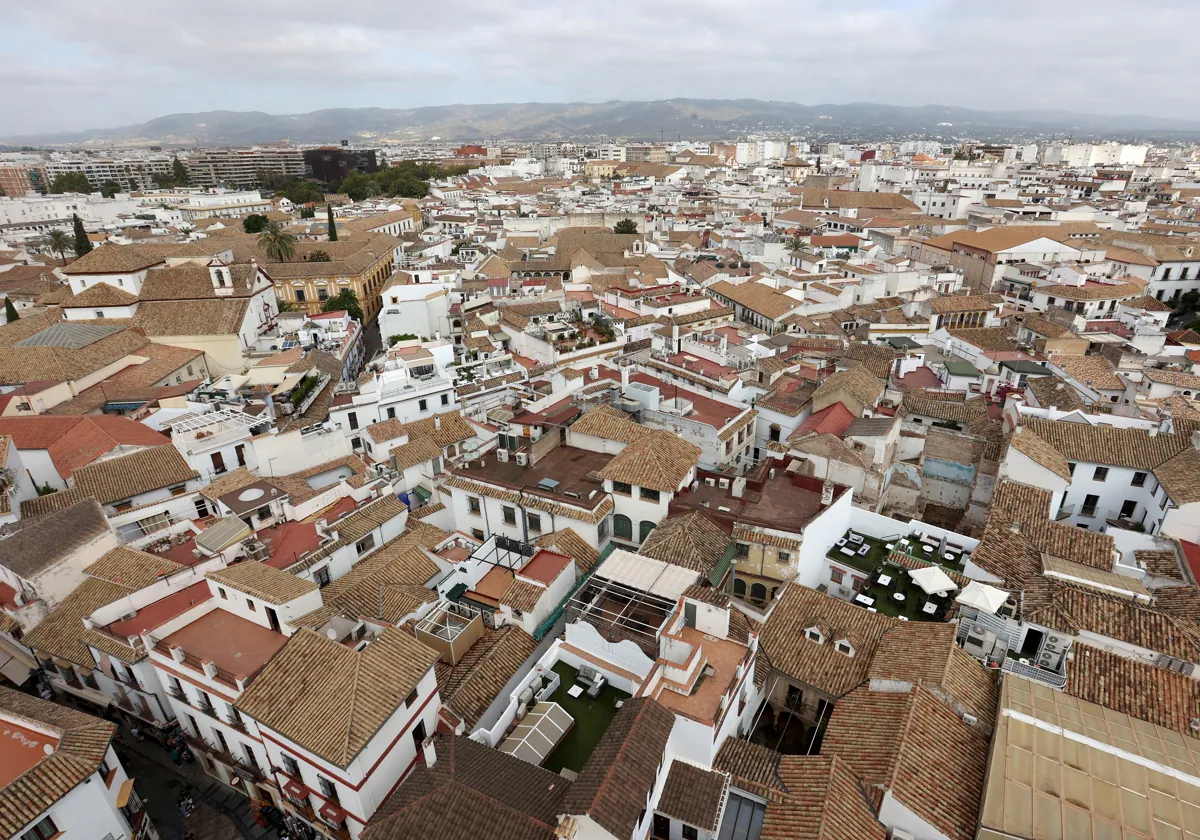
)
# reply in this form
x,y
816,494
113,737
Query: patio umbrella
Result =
x,y
932,579
982,597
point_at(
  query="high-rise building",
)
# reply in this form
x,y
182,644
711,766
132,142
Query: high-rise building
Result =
x,y
241,168
331,164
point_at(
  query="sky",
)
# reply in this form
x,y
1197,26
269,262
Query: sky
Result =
x,y
79,64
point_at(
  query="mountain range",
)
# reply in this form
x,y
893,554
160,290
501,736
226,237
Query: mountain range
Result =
x,y
704,119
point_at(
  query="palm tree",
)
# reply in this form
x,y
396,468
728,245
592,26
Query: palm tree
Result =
x,y
58,242
795,244
279,244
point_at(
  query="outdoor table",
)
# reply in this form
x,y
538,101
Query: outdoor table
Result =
x,y
575,691
849,552
890,546
898,596
885,580
927,547
929,608
864,600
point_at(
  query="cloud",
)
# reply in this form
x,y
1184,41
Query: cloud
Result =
x,y
71,64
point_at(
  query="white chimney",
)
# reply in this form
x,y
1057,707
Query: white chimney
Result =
x,y
625,370
827,492
437,421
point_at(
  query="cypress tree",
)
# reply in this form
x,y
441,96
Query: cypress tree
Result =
x,y
332,226
82,243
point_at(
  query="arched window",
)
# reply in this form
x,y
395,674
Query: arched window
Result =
x,y
739,587
758,592
644,529
622,527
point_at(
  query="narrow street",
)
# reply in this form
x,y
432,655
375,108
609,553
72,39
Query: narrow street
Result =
x,y
220,813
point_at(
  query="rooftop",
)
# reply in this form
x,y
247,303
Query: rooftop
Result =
x,y
569,468
592,717
721,658
788,501
238,647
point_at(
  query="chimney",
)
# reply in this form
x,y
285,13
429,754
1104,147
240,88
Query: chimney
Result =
x,y
1015,527
437,421
625,370
827,493
1152,432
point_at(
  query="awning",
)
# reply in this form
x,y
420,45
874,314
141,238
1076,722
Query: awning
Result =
x,y
982,597
294,789
538,733
932,579
124,793
332,813
646,574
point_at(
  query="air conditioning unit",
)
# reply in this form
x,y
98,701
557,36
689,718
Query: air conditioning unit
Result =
x,y
523,459
502,455
901,834
979,643
970,720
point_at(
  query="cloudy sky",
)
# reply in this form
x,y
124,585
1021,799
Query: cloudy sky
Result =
x,y
76,64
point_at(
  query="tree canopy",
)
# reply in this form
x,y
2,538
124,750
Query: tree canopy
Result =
x,y
254,223
109,188
57,241
82,244
331,224
71,182
347,300
625,226
279,244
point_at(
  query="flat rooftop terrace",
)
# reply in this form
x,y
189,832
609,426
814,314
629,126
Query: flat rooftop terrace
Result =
x,y
238,647
566,465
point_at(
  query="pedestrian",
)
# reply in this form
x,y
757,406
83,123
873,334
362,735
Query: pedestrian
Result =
x,y
176,758
137,733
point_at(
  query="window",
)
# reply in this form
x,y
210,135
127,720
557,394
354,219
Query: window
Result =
x,y
622,527
473,506
411,699
648,495
814,635
201,507
327,789
99,313
356,442
42,831
1071,468
477,534
290,767
250,605
690,833
844,647
423,405
223,593
365,544
352,417
1139,479
644,529
1101,474
783,556
622,489
391,413
510,515
299,295
322,294
836,575
535,523
758,592
1089,505
742,550
321,576
445,399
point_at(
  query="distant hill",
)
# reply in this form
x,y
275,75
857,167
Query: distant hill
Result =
x,y
689,118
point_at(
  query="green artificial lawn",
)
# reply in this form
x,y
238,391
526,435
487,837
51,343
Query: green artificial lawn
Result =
x,y
914,597
592,718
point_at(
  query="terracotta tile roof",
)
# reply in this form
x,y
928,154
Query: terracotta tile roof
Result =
x,y
230,482
36,547
447,429
131,568
353,527
1098,291
1040,452
819,664
926,653
62,359
1072,609
567,541
61,632
83,742
331,699
192,282
1092,370
396,573
138,472
1051,391
614,784
877,360
472,786
857,381
1138,689
660,461
1103,444
825,800
690,540
114,259
757,297
609,423
912,745
472,685
985,338
749,763
299,490
221,316
264,582
101,294
74,442
693,795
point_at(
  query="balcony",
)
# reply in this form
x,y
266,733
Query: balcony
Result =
x,y
178,694
302,808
